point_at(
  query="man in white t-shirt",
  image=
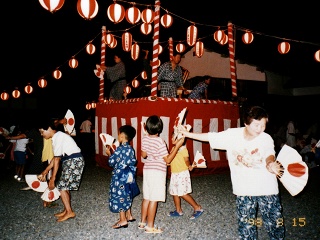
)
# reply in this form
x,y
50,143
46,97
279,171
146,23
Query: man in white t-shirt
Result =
x,y
253,169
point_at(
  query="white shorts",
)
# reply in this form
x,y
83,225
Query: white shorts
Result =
x,y
154,185
180,183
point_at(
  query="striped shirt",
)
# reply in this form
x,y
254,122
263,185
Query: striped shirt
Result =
x,y
156,150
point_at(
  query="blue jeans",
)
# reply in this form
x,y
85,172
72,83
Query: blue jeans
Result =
x,y
270,209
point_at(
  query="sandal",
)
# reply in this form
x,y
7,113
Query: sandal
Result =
x,y
196,214
153,230
142,225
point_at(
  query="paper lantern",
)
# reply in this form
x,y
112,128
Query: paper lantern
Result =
x,y
145,28
147,15
317,56
88,106
180,47
135,50
126,41
127,89
87,9
135,83
90,48
116,12
73,63
247,37
133,15
4,96
192,34
93,105
284,47
52,5
108,38
144,75
224,40
28,89
42,83
114,43
160,49
199,49
16,93
218,35
57,74
166,20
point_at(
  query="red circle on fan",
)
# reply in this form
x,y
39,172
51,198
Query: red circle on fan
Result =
x,y
200,161
51,195
296,169
71,121
35,184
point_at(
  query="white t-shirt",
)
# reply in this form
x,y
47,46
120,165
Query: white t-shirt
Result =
x,y
21,144
63,144
254,179
86,126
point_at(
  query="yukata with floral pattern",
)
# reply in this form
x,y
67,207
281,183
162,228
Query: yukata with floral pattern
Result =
x,y
119,196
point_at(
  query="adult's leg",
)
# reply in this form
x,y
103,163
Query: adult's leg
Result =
x,y
66,200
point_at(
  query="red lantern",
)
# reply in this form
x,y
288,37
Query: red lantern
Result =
x,y
284,47
126,41
87,9
127,89
116,12
108,38
218,35
133,15
114,43
199,49
147,15
135,50
145,28
4,96
224,40
317,56
52,5
135,83
73,63
42,83
93,105
88,106
192,34
57,74
180,47
144,75
90,48
166,20
28,89
247,37
16,93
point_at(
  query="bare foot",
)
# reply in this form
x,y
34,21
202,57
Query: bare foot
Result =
x,y
60,214
66,217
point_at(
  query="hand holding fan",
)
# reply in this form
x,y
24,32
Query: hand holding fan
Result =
x,y
199,161
294,175
177,123
69,127
50,195
107,139
35,184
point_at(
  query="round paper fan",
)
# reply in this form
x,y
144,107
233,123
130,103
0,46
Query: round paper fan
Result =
x,y
50,195
35,184
70,121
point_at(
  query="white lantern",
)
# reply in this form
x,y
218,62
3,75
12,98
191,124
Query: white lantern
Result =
x,y
16,93
133,15
192,34
42,83
73,63
116,12
126,41
52,5
166,20
147,15
28,89
4,96
87,9
135,50
90,48
145,28
284,47
57,74
247,37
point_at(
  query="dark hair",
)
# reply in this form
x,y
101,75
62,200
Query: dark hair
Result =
x,y
154,125
129,131
256,113
54,124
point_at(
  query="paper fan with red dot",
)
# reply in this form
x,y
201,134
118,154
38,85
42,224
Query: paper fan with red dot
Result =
x,y
70,121
35,184
295,171
50,195
199,161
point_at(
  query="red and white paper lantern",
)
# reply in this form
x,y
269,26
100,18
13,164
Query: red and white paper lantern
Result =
x,y
4,96
88,106
16,93
87,9
145,28
133,15
317,56
116,12
147,15
126,41
218,35
135,83
114,43
144,75
192,34
180,47
93,105
247,37
90,48
52,5
42,83
108,38
28,89
127,89
57,74
284,47
199,49
224,40
73,63
166,20
135,51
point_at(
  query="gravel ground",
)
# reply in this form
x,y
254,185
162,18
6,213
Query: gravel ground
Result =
x,y
24,217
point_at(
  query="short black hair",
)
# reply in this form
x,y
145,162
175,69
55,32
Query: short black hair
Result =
x,y
254,112
154,125
129,131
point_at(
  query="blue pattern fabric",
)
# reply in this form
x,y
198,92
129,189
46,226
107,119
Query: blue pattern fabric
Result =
x,y
198,90
166,73
119,196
